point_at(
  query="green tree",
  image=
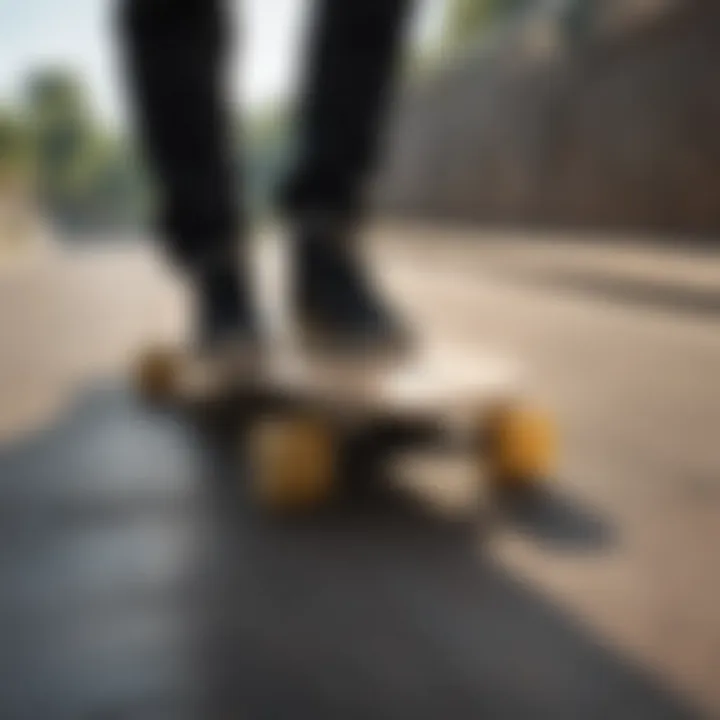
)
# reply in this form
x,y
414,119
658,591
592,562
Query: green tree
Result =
x,y
119,193
16,149
86,176
63,132
578,19
467,19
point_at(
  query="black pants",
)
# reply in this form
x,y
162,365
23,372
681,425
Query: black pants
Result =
x,y
176,51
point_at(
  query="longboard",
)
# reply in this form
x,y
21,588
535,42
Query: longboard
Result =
x,y
431,410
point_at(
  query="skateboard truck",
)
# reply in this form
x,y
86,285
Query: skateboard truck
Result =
x,y
296,447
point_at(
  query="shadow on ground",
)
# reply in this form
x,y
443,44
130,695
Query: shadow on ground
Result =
x,y
558,522
137,582
682,300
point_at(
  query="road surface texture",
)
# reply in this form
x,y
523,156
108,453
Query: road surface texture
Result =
x,y
136,582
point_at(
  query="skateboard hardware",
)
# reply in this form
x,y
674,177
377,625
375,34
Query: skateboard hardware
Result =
x,y
313,407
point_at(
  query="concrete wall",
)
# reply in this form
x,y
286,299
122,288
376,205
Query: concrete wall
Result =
x,y
619,128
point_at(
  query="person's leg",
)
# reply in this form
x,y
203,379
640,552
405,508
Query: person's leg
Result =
x,y
175,56
352,57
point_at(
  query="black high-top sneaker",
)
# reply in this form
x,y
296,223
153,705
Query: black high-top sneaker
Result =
x,y
225,312
338,307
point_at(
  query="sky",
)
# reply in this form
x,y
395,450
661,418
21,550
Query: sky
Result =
x,y
77,34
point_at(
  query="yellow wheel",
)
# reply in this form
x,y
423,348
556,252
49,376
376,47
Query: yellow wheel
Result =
x,y
520,445
294,463
157,374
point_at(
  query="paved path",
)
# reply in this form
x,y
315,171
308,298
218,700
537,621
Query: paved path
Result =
x,y
137,584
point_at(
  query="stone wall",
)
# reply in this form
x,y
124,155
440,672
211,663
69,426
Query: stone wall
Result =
x,y
619,129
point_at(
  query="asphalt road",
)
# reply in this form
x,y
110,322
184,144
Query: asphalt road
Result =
x,y
136,582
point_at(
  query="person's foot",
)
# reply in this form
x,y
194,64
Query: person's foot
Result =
x,y
337,305
226,316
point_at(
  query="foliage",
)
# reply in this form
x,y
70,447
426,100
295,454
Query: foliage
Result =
x,y
87,177
578,18
16,150
54,147
74,159
265,143
468,19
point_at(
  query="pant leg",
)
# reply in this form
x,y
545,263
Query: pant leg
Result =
x,y
353,51
175,52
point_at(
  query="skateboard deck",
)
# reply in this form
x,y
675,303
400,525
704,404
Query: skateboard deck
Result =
x,y
435,412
